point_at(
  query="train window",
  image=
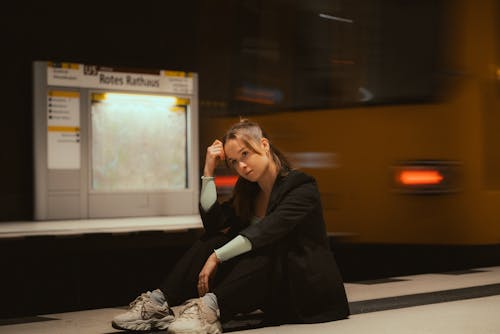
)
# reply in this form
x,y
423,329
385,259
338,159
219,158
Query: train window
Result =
x,y
289,55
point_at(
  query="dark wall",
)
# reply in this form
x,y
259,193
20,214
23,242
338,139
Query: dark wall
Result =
x,y
54,274
156,34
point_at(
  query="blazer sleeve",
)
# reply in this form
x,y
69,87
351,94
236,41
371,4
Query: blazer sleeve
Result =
x,y
218,217
294,208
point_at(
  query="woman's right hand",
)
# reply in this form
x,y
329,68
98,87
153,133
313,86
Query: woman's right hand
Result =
x,y
215,152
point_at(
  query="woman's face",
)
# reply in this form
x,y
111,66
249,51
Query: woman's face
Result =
x,y
247,163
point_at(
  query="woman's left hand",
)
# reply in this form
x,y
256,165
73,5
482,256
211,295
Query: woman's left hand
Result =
x,y
206,274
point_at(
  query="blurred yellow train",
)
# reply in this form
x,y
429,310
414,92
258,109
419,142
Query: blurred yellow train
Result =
x,y
423,173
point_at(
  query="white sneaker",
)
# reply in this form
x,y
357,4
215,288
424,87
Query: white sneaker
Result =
x,y
144,315
196,318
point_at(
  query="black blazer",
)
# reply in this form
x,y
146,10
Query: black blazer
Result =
x,y
307,286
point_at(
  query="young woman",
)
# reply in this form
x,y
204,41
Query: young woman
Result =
x,y
266,248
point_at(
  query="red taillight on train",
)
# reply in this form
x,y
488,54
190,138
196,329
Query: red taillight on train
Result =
x,y
420,177
426,176
226,181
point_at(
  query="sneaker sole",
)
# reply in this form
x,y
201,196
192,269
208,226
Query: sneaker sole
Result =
x,y
144,325
210,329
139,326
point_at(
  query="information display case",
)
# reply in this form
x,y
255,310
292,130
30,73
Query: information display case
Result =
x,y
114,142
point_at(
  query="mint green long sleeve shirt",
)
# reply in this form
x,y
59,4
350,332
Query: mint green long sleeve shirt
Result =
x,y
239,244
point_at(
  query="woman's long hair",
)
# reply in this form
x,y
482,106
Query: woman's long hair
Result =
x,y
245,192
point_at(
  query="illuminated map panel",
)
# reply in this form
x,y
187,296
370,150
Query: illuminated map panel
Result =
x,y
138,142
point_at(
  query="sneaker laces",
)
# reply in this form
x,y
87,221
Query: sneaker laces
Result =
x,y
146,307
138,303
195,309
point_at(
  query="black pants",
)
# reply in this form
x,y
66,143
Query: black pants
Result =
x,y
241,284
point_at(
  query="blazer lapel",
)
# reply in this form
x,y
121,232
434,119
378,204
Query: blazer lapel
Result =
x,y
275,194
283,184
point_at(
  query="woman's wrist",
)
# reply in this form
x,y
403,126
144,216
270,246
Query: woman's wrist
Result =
x,y
208,172
215,258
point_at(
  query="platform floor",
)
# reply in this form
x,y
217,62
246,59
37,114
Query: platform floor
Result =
x,y
454,302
